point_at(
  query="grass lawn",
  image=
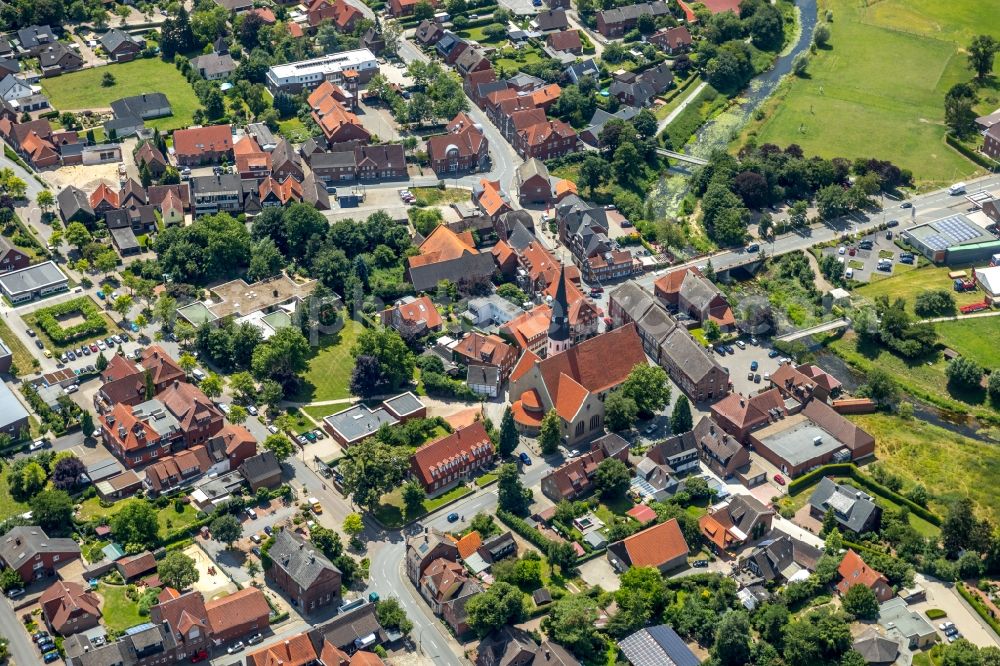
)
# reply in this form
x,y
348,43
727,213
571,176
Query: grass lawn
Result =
x,y
83,90
118,610
329,373
486,479
950,466
924,377
663,110
293,129
434,196
392,512
878,89
476,34
319,412
167,517
23,359
8,505
908,284
300,423
974,338
31,319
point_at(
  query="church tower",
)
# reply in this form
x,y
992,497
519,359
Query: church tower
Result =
x,y
559,339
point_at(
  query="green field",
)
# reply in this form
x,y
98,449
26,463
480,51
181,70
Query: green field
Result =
x,y
878,90
948,465
329,373
910,283
974,338
83,90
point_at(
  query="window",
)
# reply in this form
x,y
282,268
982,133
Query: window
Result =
x,y
579,428
595,421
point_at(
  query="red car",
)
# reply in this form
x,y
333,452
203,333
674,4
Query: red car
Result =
x,y
780,480
200,655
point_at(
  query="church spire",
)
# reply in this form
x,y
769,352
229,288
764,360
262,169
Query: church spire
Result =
x,y
559,333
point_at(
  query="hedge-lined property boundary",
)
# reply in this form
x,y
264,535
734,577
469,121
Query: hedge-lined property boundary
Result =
x,y
977,604
979,159
850,470
94,323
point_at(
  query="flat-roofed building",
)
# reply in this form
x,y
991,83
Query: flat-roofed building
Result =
x,y
307,74
33,282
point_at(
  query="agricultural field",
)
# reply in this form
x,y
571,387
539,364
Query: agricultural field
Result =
x,y
82,90
973,338
878,89
908,284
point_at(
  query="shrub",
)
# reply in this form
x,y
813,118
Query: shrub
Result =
x,y
935,614
93,324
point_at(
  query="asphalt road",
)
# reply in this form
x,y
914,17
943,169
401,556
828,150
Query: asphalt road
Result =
x,y
34,187
22,650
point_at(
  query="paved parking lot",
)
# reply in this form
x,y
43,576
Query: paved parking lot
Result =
x,y
739,365
864,262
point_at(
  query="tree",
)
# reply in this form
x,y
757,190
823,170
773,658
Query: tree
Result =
x,y
187,363
562,555
861,602
413,496
372,469
366,377
108,80
226,529
252,567
612,478
394,357
45,201
993,387
961,529
212,385
648,386
52,510
958,109
279,445
327,541
982,51
237,414
770,622
423,10
77,235
620,411
821,636
571,624
880,387
353,525
25,479
500,605
934,303
766,28
800,65
509,437
270,393
122,305
548,435
391,615
732,639
67,472
964,373
243,385
177,570
511,494
680,419
10,579
283,357
593,172
136,525
821,35
87,422
834,539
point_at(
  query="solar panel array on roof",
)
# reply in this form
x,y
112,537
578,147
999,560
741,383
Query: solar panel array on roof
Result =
x,y
958,228
657,646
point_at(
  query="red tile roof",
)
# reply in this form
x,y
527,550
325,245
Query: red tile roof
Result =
x,y
491,199
103,193
854,571
431,461
469,544
642,513
196,141
567,40
657,545
239,608
250,157
136,565
66,603
296,650
420,309
443,244
183,613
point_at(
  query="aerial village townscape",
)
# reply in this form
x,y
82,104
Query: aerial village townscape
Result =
x,y
500,332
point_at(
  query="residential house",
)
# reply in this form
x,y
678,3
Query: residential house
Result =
x,y
658,474
197,415
907,625
804,382
491,199
357,423
33,140
630,303
428,32
380,162
57,58
286,162
551,20
238,614
445,462
693,294
13,89
853,571
657,645
399,8
308,578
672,40
692,367
574,479
216,194
339,125
546,140
150,156
171,471
333,167
139,434
661,546
738,414
640,89
445,255
510,646
478,349
136,566
530,329
464,148
252,163
725,455
574,381
991,142
728,525
346,68
214,66
533,183
450,46
876,649
479,84
296,650
356,629
74,206
124,381
185,616
120,46
146,645
616,22
11,259
373,40
273,194
577,71
261,471
854,510
30,552
484,379
780,559
342,14
34,38
171,210
413,317
69,608
203,145
427,546
314,192
567,41
447,588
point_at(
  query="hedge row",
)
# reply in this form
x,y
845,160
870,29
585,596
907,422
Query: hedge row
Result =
x,y
979,159
977,604
851,470
94,323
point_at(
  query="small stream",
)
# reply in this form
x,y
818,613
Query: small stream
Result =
x,y
960,424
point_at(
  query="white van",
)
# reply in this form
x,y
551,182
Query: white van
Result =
x,y
957,188
198,374
849,273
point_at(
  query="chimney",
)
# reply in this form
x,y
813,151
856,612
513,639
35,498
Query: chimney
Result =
x,y
177,383
274,292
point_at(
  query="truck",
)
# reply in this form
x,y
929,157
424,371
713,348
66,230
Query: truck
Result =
x,y
316,507
975,307
957,188
964,284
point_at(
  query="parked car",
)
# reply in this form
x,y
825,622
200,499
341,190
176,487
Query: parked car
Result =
x,y
251,410
841,250
71,354
273,429
86,350
200,655
256,638
756,378
773,353
780,480
524,458
452,517
15,593
741,344
268,530
301,439
906,204
754,247
255,550
753,365
94,348
946,626
251,513
39,635
699,564
892,223
651,428
30,333
235,647
319,433
750,376
39,344
311,436
36,445
50,656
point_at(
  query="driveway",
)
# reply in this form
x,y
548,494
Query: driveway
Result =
x,y
945,597
599,571
739,362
